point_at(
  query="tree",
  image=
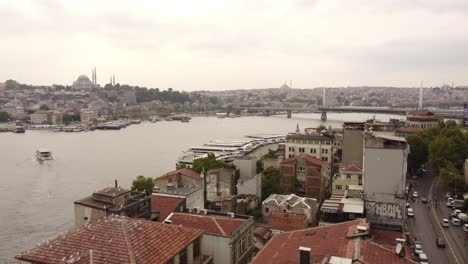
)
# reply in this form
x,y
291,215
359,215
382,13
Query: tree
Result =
x,y
4,117
11,84
210,163
418,154
321,128
259,165
141,183
270,182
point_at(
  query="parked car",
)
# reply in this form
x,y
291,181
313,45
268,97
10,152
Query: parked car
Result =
x,y
417,249
422,258
410,212
424,199
415,194
445,222
440,242
407,204
465,228
455,221
448,195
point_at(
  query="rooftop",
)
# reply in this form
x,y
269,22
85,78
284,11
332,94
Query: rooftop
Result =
x,y
306,157
181,191
185,172
291,200
112,192
90,202
115,240
350,168
218,224
340,240
165,204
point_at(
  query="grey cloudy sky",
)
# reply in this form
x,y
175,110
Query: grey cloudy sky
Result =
x,y
217,45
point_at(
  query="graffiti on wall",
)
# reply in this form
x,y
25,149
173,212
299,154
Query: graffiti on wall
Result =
x,y
387,210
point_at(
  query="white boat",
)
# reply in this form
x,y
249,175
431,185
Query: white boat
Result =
x,y
44,154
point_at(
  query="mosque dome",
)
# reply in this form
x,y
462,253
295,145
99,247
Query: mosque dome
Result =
x,y
83,83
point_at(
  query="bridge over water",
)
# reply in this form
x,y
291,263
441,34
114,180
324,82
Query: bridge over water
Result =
x,y
455,114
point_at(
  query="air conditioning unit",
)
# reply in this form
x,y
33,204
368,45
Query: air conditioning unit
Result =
x,y
195,210
231,215
204,211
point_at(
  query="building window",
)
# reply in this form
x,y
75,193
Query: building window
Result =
x,y
338,187
325,159
313,151
291,149
302,150
327,142
267,209
300,169
324,151
291,155
183,256
196,248
348,176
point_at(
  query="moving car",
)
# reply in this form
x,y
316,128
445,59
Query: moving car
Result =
x,y
455,221
445,222
407,204
440,242
410,212
415,194
424,199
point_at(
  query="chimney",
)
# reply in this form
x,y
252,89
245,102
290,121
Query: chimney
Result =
x,y
116,186
304,255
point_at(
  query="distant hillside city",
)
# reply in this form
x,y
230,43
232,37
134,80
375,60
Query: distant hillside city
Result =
x,y
18,101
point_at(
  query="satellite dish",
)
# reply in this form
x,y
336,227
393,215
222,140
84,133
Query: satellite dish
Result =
x,y
399,248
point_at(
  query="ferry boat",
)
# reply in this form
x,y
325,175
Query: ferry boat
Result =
x,y
44,154
18,129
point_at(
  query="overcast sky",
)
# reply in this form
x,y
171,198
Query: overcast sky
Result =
x,y
238,44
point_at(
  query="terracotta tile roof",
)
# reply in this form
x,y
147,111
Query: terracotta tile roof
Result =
x,y
213,224
350,168
90,202
422,113
186,172
325,242
286,221
385,237
165,205
306,157
115,240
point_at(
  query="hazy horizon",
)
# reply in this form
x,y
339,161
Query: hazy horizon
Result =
x,y
228,45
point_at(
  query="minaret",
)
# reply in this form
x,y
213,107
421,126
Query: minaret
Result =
x,y
420,105
297,129
113,80
323,97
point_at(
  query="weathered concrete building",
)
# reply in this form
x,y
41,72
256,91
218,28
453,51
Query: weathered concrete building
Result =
x,y
385,166
88,116
112,200
40,117
220,182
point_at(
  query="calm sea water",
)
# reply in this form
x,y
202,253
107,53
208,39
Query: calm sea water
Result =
x,y
36,200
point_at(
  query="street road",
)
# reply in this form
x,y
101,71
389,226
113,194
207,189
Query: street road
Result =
x,y
457,238
424,227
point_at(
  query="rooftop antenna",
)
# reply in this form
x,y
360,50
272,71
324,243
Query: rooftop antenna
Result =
x,y
323,97
420,105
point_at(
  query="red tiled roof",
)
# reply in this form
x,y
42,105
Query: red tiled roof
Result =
x,y
385,237
350,168
115,240
165,205
186,172
422,113
213,224
286,221
306,157
324,242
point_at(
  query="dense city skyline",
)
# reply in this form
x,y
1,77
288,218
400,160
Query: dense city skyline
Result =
x,y
212,45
